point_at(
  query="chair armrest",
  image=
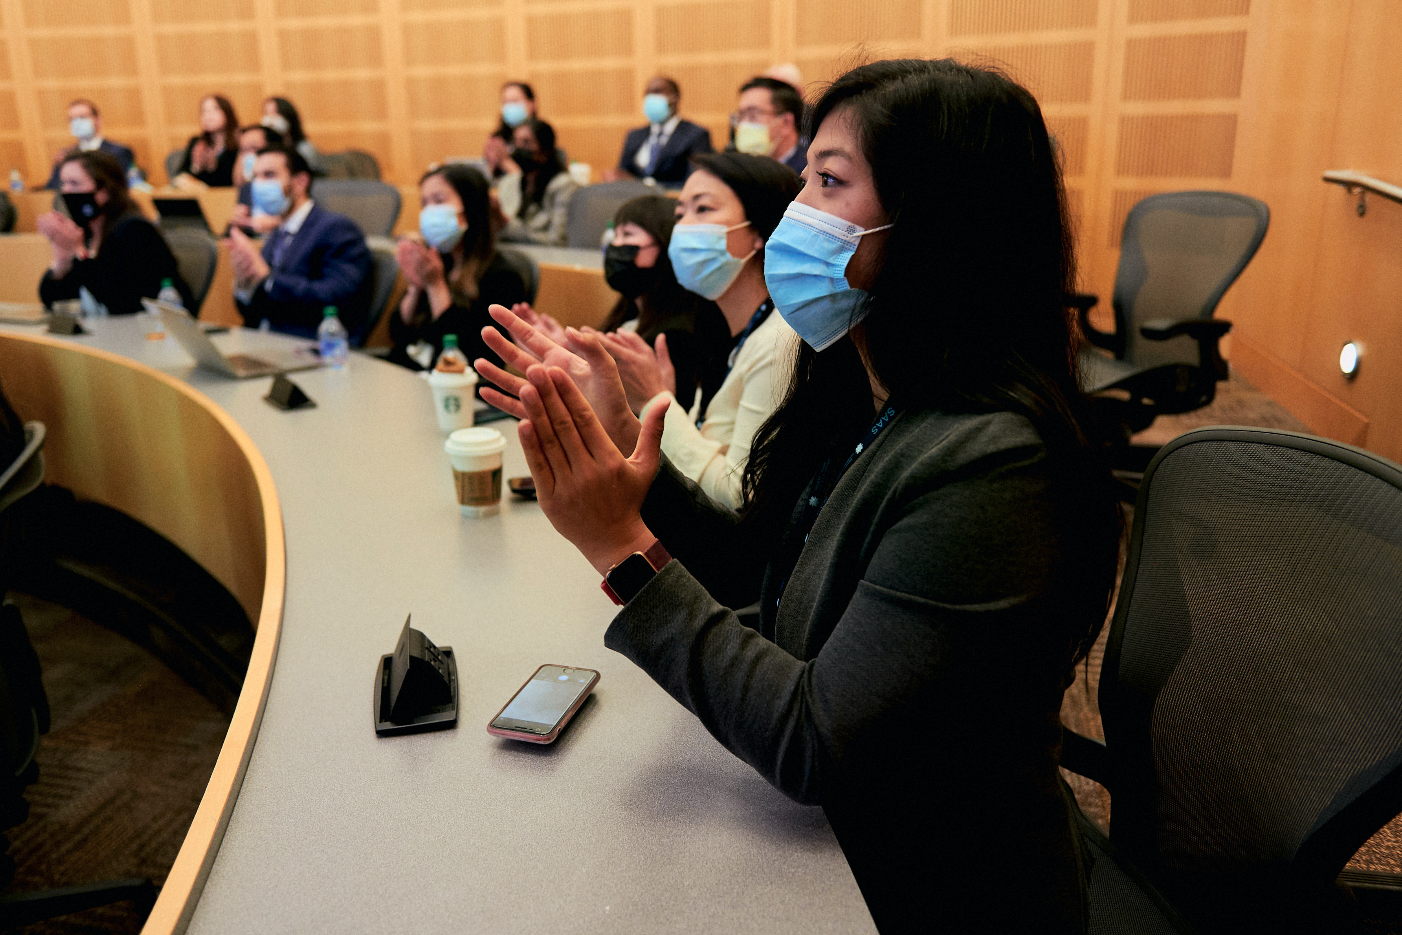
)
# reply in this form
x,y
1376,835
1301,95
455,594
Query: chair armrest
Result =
x,y
1085,757
1206,331
1083,302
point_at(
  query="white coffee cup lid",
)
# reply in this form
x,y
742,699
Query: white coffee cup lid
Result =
x,y
474,441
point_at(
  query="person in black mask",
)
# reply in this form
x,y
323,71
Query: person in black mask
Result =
x,y
535,194
106,254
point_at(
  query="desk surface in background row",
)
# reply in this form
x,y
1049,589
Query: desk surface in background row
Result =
x,y
635,821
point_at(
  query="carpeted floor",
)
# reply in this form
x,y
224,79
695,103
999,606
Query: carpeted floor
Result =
x,y
121,771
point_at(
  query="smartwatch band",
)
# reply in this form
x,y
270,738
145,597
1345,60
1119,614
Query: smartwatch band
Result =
x,y
628,577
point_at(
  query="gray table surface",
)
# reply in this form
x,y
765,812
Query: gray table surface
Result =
x,y
636,820
562,256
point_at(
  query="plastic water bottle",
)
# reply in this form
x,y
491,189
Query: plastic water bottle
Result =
x,y
16,181
155,328
451,360
332,338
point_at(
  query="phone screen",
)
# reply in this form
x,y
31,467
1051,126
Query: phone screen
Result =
x,y
543,701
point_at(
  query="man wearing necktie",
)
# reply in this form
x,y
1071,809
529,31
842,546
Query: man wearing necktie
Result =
x,y
663,149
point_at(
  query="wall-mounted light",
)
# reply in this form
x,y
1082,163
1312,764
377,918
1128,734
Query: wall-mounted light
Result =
x,y
1348,360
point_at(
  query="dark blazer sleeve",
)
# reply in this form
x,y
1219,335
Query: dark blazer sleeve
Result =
x,y
689,140
121,153
331,270
631,144
133,261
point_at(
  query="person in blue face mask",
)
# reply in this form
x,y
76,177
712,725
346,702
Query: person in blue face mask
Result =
x,y
311,259
85,126
252,140
453,271
925,527
663,149
517,106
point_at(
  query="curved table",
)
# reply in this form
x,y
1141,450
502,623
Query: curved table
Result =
x,y
635,820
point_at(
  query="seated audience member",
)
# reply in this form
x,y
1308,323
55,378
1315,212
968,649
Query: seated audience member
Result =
x,y
453,279
517,106
209,156
85,125
281,117
729,207
925,527
663,149
253,139
535,195
769,122
107,255
312,259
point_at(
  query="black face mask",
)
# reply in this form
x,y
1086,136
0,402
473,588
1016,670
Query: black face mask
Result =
x,y
82,208
523,158
624,275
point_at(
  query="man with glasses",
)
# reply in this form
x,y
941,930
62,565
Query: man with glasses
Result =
x,y
769,120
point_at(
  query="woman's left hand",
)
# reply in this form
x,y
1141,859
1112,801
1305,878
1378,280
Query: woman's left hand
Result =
x,y
637,367
591,494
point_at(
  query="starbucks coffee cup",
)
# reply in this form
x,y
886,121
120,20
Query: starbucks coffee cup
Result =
x,y
476,458
453,399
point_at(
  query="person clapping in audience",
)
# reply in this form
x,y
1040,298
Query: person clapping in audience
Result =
x,y
253,139
931,539
517,106
85,125
209,156
312,259
105,253
769,121
454,274
535,194
662,150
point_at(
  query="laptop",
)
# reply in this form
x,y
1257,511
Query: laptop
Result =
x,y
192,337
181,213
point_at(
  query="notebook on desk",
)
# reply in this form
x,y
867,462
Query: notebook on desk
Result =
x,y
181,213
192,337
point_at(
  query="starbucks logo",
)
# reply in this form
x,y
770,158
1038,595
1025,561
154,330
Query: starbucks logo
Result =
x,y
452,404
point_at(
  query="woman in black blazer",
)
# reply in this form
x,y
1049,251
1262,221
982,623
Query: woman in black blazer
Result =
x,y
930,539
107,248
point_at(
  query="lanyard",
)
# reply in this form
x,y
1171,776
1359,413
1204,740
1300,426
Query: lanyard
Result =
x,y
823,485
756,320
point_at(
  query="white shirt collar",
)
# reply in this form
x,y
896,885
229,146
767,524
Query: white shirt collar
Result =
x,y
669,127
87,146
297,218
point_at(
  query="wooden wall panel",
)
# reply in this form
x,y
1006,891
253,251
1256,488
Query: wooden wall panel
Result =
x,y
976,17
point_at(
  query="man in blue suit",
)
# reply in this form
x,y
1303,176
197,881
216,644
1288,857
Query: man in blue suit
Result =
x,y
312,259
85,123
662,149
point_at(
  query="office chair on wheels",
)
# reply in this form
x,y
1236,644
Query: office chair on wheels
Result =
x,y
1251,691
24,717
1179,253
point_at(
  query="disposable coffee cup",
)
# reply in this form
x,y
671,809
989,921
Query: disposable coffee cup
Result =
x,y
453,399
476,458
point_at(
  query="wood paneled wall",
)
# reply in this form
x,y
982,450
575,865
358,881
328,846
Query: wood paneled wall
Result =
x,y
1143,95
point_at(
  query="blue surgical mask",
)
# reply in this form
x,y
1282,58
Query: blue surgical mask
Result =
x,y
268,196
440,226
702,261
805,268
248,160
656,108
83,128
514,113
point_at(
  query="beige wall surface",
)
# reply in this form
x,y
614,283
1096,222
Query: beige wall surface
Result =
x,y
1144,96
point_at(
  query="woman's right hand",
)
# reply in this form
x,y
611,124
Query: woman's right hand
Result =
x,y
639,367
546,325
412,259
583,358
202,158
65,237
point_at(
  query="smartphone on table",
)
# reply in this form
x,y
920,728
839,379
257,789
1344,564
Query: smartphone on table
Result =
x,y
542,707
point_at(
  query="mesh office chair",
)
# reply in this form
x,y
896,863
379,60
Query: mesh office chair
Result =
x,y
173,160
24,717
1251,691
1179,253
592,209
526,267
384,275
197,257
372,205
362,165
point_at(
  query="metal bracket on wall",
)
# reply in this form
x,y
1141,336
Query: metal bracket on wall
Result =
x,y
1356,183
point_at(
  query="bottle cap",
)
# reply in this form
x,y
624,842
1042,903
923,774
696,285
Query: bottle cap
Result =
x,y
167,284
450,340
328,312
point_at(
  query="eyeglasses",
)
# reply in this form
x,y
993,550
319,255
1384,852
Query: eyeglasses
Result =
x,y
749,115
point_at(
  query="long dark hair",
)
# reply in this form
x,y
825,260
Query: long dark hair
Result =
x,y
106,173
289,113
764,186
656,214
549,166
477,246
967,310
503,128
231,122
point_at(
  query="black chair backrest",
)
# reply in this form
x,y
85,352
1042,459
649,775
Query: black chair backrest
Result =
x,y
197,256
362,165
173,160
373,205
384,274
526,267
1252,686
8,214
1179,253
592,209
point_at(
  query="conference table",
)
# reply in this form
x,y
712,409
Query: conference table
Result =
x,y
635,820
